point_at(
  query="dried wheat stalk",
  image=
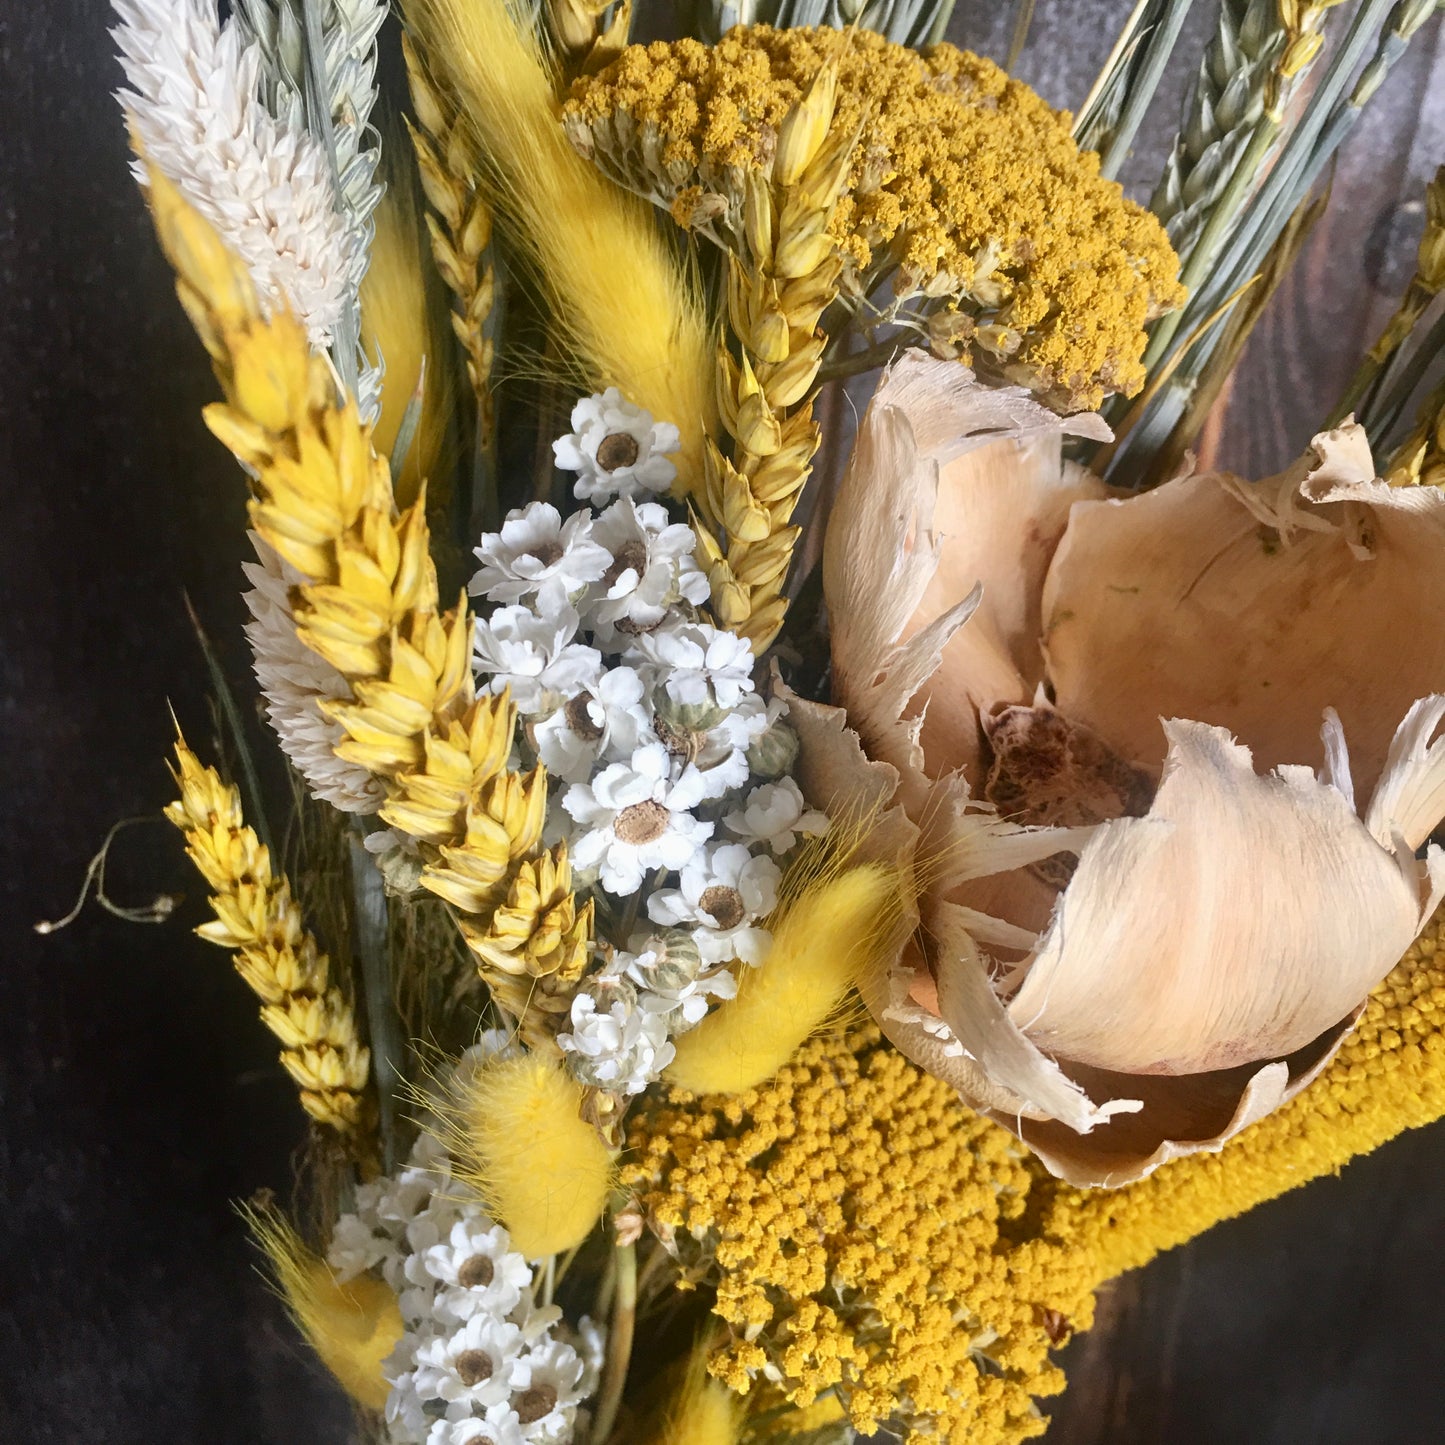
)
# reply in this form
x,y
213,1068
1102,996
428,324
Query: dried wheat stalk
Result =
x,y
460,227
778,289
257,916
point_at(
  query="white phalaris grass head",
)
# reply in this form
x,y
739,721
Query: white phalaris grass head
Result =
x,y
263,183
294,680
1145,919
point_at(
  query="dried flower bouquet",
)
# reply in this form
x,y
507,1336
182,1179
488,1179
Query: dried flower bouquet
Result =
x,y
775,927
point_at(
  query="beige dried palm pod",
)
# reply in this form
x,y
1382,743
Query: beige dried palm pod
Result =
x,y
257,916
460,226
779,285
370,607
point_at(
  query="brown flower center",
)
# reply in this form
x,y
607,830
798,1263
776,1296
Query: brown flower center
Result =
x,y
533,1403
580,720
629,557
723,904
641,823
617,449
681,742
473,1367
548,553
1049,771
476,1272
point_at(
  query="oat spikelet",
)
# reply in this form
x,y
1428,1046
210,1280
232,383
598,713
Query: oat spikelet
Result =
x,y
369,607
257,916
778,289
460,225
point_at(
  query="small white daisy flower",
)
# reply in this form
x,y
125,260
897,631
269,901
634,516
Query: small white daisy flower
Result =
x,y
718,751
479,1270
776,814
477,1364
650,570
696,665
355,1247
540,554
606,719
620,1046
720,895
589,1339
675,985
616,449
633,817
534,656
496,1427
547,1391
407,1420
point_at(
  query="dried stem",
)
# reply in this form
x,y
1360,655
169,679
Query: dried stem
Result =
x,y
619,1342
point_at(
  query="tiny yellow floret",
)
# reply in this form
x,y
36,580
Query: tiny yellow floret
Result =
x,y
821,944
523,1145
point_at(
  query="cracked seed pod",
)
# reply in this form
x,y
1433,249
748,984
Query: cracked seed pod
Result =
x,y
1218,934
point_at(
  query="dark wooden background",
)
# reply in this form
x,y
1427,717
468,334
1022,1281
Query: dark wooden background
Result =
x,y
140,1096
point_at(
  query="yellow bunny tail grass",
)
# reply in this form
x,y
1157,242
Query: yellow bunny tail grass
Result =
x,y
518,1138
823,941
626,308
700,1411
352,1326
396,325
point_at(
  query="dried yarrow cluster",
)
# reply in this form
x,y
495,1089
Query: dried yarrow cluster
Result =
x,y
663,758
865,1233
965,187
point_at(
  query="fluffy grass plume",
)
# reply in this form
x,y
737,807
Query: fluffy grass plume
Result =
x,y
353,1326
625,309
516,1135
698,1410
397,325
823,941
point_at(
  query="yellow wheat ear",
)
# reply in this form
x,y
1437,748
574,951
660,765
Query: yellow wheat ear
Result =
x,y
625,309
352,1326
825,938
516,1135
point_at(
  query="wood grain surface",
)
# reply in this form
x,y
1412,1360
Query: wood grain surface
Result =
x,y
141,1097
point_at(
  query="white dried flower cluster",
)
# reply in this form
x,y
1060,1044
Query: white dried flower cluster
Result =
x,y
264,184
294,680
481,1359
647,721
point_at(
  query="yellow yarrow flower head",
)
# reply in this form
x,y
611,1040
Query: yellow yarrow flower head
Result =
x,y
965,190
864,1233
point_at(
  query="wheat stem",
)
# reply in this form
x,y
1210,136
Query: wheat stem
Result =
x,y
257,916
460,227
779,284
